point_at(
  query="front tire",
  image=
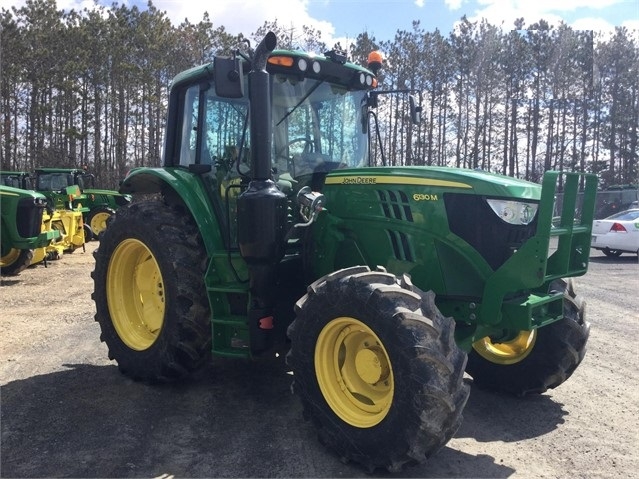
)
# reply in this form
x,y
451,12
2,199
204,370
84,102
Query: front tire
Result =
x,y
377,369
88,233
98,219
534,361
150,295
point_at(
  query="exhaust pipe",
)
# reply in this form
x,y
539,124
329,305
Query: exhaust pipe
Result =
x,y
262,208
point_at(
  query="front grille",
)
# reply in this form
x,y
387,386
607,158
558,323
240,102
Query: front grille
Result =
x,y
29,217
472,219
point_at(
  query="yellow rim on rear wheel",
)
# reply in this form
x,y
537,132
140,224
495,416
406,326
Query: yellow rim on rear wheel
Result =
x,y
507,352
135,294
354,372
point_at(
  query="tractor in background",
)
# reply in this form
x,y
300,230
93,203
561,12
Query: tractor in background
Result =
x,y
21,229
98,204
64,213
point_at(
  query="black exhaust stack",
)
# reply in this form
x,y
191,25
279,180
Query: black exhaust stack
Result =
x,y
262,207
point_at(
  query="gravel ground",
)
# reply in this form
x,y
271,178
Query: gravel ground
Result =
x,y
66,411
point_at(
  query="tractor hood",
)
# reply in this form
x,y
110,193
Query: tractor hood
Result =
x,y
424,179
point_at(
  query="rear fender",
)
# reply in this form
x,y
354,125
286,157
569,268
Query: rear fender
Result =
x,y
189,188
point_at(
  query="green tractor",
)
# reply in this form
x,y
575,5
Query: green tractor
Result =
x,y
65,202
56,220
99,204
21,229
273,229
65,211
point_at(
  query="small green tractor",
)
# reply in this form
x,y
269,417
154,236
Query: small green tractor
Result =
x,y
65,211
272,228
21,229
98,204
52,219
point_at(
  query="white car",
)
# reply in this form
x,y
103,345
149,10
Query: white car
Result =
x,y
617,234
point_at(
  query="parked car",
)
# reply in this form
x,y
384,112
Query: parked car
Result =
x,y
617,234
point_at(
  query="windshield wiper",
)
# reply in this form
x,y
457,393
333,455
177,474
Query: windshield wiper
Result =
x,y
310,92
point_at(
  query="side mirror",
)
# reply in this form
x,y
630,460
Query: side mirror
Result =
x,y
369,102
415,110
364,118
229,77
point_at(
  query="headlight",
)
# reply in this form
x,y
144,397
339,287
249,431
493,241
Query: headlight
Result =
x,y
514,212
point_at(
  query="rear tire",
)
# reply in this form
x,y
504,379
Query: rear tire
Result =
x,y
15,261
150,294
376,368
612,253
552,354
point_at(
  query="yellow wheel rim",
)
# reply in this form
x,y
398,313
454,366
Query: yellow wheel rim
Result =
x,y
10,258
354,372
507,352
99,222
135,294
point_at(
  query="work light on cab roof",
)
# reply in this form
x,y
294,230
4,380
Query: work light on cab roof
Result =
x,y
306,64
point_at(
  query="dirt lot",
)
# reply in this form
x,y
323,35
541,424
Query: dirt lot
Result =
x,y
67,412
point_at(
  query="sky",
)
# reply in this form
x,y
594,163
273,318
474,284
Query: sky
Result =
x,y
343,20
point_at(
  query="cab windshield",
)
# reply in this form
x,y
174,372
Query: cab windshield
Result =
x,y
317,127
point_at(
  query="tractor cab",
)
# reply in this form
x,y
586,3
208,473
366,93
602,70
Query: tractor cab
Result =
x,y
16,179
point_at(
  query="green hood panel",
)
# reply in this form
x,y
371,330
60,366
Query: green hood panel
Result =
x,y
438,179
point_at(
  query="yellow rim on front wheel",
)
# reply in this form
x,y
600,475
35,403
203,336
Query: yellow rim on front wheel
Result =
x,y
99,222
507,352
354,372
11,257
135,294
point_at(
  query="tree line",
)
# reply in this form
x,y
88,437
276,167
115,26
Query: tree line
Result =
x,y
89,88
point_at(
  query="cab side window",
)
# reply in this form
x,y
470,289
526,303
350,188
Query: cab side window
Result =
x,y
226,132
189,126
213,132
